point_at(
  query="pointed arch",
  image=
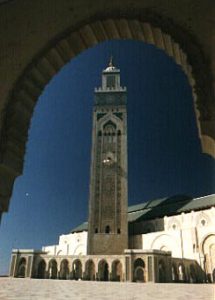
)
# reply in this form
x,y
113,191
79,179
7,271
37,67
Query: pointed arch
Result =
x,y
64,269
203,219
161,271
52,269
117,273
103,270
139,270
181,272
41,269
90,273
139,23
174,272
77,269
110,118
21,271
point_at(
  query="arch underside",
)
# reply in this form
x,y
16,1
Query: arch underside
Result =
x,y
151,29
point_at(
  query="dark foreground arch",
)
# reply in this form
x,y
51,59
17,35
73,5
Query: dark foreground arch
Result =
x,y
172,28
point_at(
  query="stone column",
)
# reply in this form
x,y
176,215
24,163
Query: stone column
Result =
x,y
13,265
29,266
128,268
58,271
47,270
151,275
155,269
169,269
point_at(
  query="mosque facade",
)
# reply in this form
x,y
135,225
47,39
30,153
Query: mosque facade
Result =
x,y
164,240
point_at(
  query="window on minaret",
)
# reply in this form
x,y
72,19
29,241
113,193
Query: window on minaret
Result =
x,y
111,81
107,229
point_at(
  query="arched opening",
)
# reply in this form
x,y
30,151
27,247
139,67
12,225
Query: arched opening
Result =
x,y
193,277
139,270
208,250
174,273
90,270
96,32
52,269
64,269
117,271
171,39
103,270
107,229
181,273
41,269
77,269
21,272
161,271
164,248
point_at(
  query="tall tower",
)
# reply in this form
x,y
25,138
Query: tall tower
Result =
x,y
108,227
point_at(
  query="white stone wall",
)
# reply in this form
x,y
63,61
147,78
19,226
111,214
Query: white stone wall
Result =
x,y
69,244
183,234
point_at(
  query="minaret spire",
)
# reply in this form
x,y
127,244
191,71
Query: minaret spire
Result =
x,y
111,61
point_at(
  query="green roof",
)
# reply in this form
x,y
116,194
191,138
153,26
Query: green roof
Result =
x,y
162,207
81,227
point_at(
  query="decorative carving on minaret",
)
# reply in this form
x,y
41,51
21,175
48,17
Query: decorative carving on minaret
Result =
x,y
108,185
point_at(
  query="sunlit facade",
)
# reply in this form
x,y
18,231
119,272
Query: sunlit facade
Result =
x,y
164,240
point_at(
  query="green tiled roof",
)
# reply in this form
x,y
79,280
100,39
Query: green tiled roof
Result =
x,y
81,227
162,207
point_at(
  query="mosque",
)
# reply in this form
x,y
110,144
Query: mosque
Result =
x,y
165,240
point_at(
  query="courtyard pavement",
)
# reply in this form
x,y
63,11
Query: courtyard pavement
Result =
x,y
36,289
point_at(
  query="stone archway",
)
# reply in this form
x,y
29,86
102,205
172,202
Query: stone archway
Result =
x,y
52,269
208,250
41,268
193,275
174,273
117,271
41,57
103,270
21,271
139,270
181,272
77,269
90,273
64,269
161,271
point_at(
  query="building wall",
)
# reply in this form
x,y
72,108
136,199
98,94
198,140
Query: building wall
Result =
x,y
183,250
69,244
182,234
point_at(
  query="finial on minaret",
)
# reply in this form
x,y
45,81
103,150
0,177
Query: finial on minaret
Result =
x,y
111,61
111,66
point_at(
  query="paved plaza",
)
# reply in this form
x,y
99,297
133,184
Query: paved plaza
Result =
x,y
35,289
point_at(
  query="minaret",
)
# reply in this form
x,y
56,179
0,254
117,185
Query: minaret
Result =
x,y
108,227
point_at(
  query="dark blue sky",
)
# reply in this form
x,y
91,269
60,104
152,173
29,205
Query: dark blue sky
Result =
x,y
164,153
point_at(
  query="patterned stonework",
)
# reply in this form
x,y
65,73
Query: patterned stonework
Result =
x,y
108,187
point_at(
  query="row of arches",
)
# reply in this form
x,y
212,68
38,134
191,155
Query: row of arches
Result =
x,y
190,273
78,270
103,271
82,271
179,273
